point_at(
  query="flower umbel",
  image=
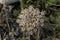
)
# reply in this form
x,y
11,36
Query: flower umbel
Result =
x,y
30,18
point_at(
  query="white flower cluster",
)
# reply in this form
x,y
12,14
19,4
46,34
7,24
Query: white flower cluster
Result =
x,y
30,18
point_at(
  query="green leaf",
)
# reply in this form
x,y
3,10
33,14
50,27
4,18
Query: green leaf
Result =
x,y
16,12
52,19
49,2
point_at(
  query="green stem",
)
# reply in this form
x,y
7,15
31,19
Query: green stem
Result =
x,y
22,4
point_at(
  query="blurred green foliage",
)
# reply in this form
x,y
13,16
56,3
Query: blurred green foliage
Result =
x,y
16,12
